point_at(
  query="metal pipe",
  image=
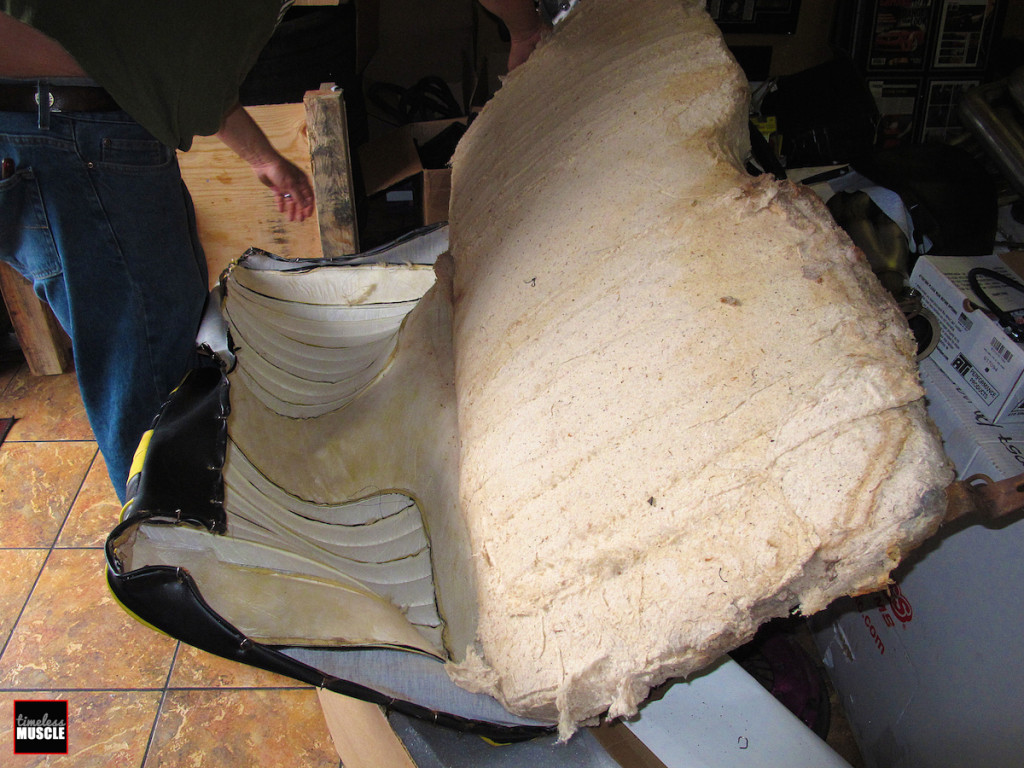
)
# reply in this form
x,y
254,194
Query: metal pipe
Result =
x,y
996,127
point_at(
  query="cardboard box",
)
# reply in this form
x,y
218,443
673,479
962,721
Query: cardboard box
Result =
x,y
721,717
974,351
929,673
399,156
974,444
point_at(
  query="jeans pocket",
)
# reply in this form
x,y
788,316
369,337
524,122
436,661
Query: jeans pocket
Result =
x,y
26,242
133,154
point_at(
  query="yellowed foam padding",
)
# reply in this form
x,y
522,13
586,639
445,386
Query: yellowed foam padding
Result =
x,y
685,404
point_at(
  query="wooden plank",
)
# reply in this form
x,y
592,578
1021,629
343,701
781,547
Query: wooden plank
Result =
x,y
233,209
332,171
437,191
624,746
361,733
46,347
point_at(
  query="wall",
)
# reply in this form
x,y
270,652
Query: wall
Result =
x,y
805,48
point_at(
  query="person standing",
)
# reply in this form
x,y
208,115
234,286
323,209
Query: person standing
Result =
x,y
95,97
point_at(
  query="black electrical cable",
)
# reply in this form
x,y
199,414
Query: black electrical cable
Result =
x,y
1010,325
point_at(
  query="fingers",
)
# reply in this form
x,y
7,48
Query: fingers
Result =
x,y
296,201
293,194
290,206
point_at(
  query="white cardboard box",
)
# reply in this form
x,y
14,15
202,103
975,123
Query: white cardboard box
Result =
x,y
973,349
931,673
974,443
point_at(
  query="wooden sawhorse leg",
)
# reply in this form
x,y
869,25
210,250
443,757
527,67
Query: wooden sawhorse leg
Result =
x,y
46,347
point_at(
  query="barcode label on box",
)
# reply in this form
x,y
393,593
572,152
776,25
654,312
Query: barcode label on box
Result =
x,y
1000,349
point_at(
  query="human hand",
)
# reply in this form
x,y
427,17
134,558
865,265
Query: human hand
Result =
x,y
292,190
524,26
520,49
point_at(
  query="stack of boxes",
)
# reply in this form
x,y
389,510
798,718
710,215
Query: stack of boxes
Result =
x,y
929,671
975,352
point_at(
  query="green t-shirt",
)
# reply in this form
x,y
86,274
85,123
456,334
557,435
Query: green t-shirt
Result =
x,y
174,65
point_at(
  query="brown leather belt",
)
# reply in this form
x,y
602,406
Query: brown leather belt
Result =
x,y
63,98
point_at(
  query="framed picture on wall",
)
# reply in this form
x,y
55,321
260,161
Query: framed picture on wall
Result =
x,y
964,34
900,35
765,16
941,116
898,103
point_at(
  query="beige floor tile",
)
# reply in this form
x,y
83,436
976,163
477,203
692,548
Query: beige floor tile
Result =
x,y
96,510
105,728
73,634
7,372
47,407
241,728
194,668
18,571
38,483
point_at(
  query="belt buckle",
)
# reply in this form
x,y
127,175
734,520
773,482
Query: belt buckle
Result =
x,y
44,107
50,107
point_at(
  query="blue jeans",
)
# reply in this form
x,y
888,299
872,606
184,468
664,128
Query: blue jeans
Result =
x,y
97,217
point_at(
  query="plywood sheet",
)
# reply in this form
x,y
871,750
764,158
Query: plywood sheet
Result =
x,y
234,211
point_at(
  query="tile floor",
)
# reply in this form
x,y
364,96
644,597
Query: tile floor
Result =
x,y
135,697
